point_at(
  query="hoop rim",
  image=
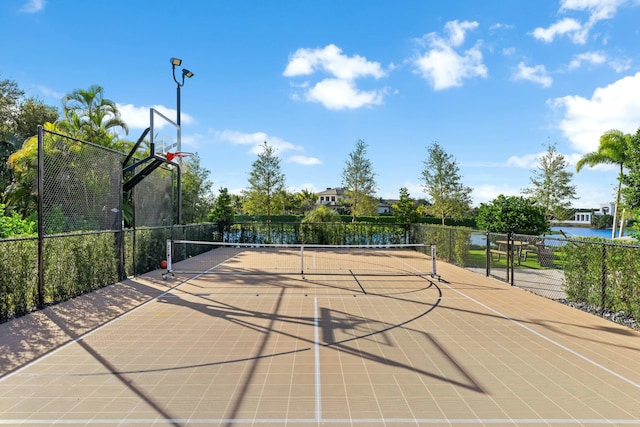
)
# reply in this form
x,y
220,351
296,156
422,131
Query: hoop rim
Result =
x,y
171,155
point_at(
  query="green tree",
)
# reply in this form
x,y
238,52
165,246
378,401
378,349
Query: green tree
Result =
x,y
551,185
443,184
405,209
612,150
266,185
305,200
222,213
19,120
515,213
33,113
318,226
10,95
91,116
196,191
358,180
631,180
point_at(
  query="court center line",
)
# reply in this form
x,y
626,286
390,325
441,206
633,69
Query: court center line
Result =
x,y
316,351
550,340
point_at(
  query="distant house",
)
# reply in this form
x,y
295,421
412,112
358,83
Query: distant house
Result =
x,y
385,207
331,197
584,217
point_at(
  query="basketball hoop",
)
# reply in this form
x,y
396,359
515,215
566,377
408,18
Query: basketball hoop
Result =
x,y
177,154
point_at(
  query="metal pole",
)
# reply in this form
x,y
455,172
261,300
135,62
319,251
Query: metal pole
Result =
x,y
178,104
488,255
41,229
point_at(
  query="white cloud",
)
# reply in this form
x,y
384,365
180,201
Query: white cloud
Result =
x,y
255,140
598,58
578,32
488,192
537,74
560,28
49,92
616,106
338,90
304,160
457,31
140,117
331,60
527,161
598,9
33,6
442,65
337,94
595,58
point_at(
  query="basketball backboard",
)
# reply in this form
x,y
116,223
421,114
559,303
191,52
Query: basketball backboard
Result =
x,y
165,133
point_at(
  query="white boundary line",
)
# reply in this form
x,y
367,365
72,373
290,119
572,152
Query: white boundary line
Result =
x,y
104,325
283,421
550,340
316,350
318,406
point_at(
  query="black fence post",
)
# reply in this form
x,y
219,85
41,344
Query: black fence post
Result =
x,y
40,217
603,279
488,254
451,246
510,257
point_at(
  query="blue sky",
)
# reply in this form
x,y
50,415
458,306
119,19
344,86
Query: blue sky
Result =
x,y
493,82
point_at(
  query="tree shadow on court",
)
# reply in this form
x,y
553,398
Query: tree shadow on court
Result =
x,y
550,324
358,327
24,339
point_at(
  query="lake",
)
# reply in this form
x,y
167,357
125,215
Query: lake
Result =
x,y
585,232
479,239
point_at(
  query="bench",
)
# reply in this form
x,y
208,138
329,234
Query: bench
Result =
x,y
497,252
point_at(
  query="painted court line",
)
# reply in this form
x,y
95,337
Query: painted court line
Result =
x,y
550,340
283,421
316,350
92,331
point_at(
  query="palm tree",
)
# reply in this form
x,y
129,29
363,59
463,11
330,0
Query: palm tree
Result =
x,y
88,114
612,150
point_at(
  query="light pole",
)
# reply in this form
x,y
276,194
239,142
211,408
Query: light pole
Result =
x,y
176,62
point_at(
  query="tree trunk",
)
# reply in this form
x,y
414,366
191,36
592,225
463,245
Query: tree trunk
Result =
x,y
615,208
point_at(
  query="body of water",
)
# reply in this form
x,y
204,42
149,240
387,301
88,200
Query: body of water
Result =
x,y
585,232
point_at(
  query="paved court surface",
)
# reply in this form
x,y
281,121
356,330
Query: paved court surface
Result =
x,y
246,350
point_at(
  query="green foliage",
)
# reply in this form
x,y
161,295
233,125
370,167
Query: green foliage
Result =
x,y
601,222
551,185
405,210
18,277
304,201
613,150
12,225
314,229
603,275
266,185
443,184
631,180
222,213
515,214
358,180
92,117
452,244
196,191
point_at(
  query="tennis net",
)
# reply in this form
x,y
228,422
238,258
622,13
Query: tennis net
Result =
x,y
202,257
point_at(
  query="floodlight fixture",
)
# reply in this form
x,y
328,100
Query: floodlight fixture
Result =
x,y
185,73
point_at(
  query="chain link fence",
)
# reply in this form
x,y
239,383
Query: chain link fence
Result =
x,y
597,275
81,186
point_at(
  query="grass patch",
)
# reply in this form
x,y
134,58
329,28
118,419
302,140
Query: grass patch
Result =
x,y
478,258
